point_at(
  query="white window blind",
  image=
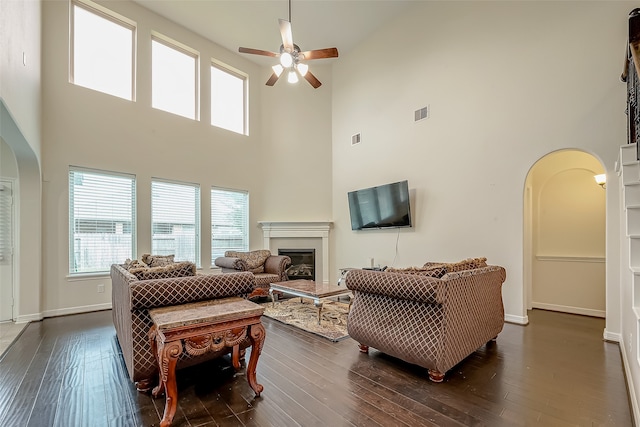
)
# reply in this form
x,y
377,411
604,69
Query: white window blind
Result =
x,y
102,51
173,78
175,220
229,221
6,222
101,220
228,99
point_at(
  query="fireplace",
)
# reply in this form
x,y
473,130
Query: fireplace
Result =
x,y
303,263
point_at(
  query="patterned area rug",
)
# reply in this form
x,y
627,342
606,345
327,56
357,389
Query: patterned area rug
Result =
x,y
305,316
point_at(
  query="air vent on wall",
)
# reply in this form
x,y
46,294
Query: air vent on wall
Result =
x,y
355,139
421,114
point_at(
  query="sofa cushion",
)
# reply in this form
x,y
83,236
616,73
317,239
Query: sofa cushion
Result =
x,y
178,269
158,260
254,259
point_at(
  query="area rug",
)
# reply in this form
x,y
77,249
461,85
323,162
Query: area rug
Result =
x,y
304,315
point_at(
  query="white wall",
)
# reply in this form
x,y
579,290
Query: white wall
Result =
x,y
507,83
90,129
8,165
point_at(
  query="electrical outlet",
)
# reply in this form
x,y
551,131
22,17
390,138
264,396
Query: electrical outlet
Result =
x,y
101,288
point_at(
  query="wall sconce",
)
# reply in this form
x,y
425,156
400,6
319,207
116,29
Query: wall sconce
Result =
x,y
601,180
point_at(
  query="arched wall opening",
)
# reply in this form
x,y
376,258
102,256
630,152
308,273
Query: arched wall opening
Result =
x,y
27,248
565,234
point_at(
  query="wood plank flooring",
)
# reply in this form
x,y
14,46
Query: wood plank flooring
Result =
x,y
557,371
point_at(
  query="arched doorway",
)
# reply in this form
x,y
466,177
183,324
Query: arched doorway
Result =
x,y
565,234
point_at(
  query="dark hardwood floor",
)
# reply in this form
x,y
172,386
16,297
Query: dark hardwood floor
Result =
x,y
557,371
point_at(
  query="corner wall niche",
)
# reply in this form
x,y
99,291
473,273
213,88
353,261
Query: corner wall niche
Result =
x,y
274,231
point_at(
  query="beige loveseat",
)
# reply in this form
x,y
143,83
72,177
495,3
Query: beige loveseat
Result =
x,y
267,268
132,298
433,322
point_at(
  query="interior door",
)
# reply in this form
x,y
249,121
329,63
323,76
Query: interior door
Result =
x,y
6,250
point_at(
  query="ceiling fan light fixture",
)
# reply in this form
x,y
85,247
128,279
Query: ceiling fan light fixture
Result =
x,y
302,69
286,60
278,69
292,77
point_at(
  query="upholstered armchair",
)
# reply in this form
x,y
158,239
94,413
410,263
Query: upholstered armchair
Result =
x,y
265,267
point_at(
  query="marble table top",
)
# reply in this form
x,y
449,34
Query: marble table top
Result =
x,y
209,312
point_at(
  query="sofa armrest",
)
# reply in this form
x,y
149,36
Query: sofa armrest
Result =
x,y
277,264
231,263
147,294
396,285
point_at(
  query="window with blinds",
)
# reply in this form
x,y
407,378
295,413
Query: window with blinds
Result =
x,y
229,221
175,220
101,220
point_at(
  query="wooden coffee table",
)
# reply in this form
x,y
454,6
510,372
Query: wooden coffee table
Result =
x,y
310,289
200,327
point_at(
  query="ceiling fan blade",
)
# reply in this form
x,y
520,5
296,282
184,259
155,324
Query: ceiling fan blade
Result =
x,y
257,51
287,37
272,80
330,52
313,80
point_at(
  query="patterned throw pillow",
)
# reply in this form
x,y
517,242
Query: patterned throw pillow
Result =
x,y
158,260
434,270
467,264
129,264
255,259
178,269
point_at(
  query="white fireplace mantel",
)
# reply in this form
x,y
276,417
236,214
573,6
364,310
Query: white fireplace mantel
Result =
x,y
303,229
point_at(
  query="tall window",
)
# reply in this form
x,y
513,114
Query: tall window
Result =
x,y
228,99
175,220
102,45
101,220
229,221
174,78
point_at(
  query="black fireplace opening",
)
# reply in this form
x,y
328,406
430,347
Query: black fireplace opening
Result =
x,y
303,263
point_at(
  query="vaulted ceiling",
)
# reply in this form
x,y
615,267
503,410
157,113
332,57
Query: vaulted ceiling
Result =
x,y
316,23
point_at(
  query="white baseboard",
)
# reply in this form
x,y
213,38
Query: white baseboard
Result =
x,y
35,317
610,336
76,310
630,388
519,320
569,309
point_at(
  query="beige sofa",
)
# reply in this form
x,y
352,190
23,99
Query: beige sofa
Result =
x,y
132,298
433,322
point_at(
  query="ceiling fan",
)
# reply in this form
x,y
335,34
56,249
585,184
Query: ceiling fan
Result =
x,y
291,57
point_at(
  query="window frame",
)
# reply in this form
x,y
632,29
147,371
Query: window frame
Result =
x,y
72,218
115,18
197,218
245,236
245,94
186,50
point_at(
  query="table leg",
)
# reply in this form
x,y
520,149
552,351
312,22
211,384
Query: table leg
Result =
x,y
169,353
256,336
273,303
235,357
318,304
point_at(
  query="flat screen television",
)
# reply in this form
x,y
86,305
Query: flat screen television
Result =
x,y
384,206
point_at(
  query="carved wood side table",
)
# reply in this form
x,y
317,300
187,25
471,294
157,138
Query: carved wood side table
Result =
x,y
197,328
